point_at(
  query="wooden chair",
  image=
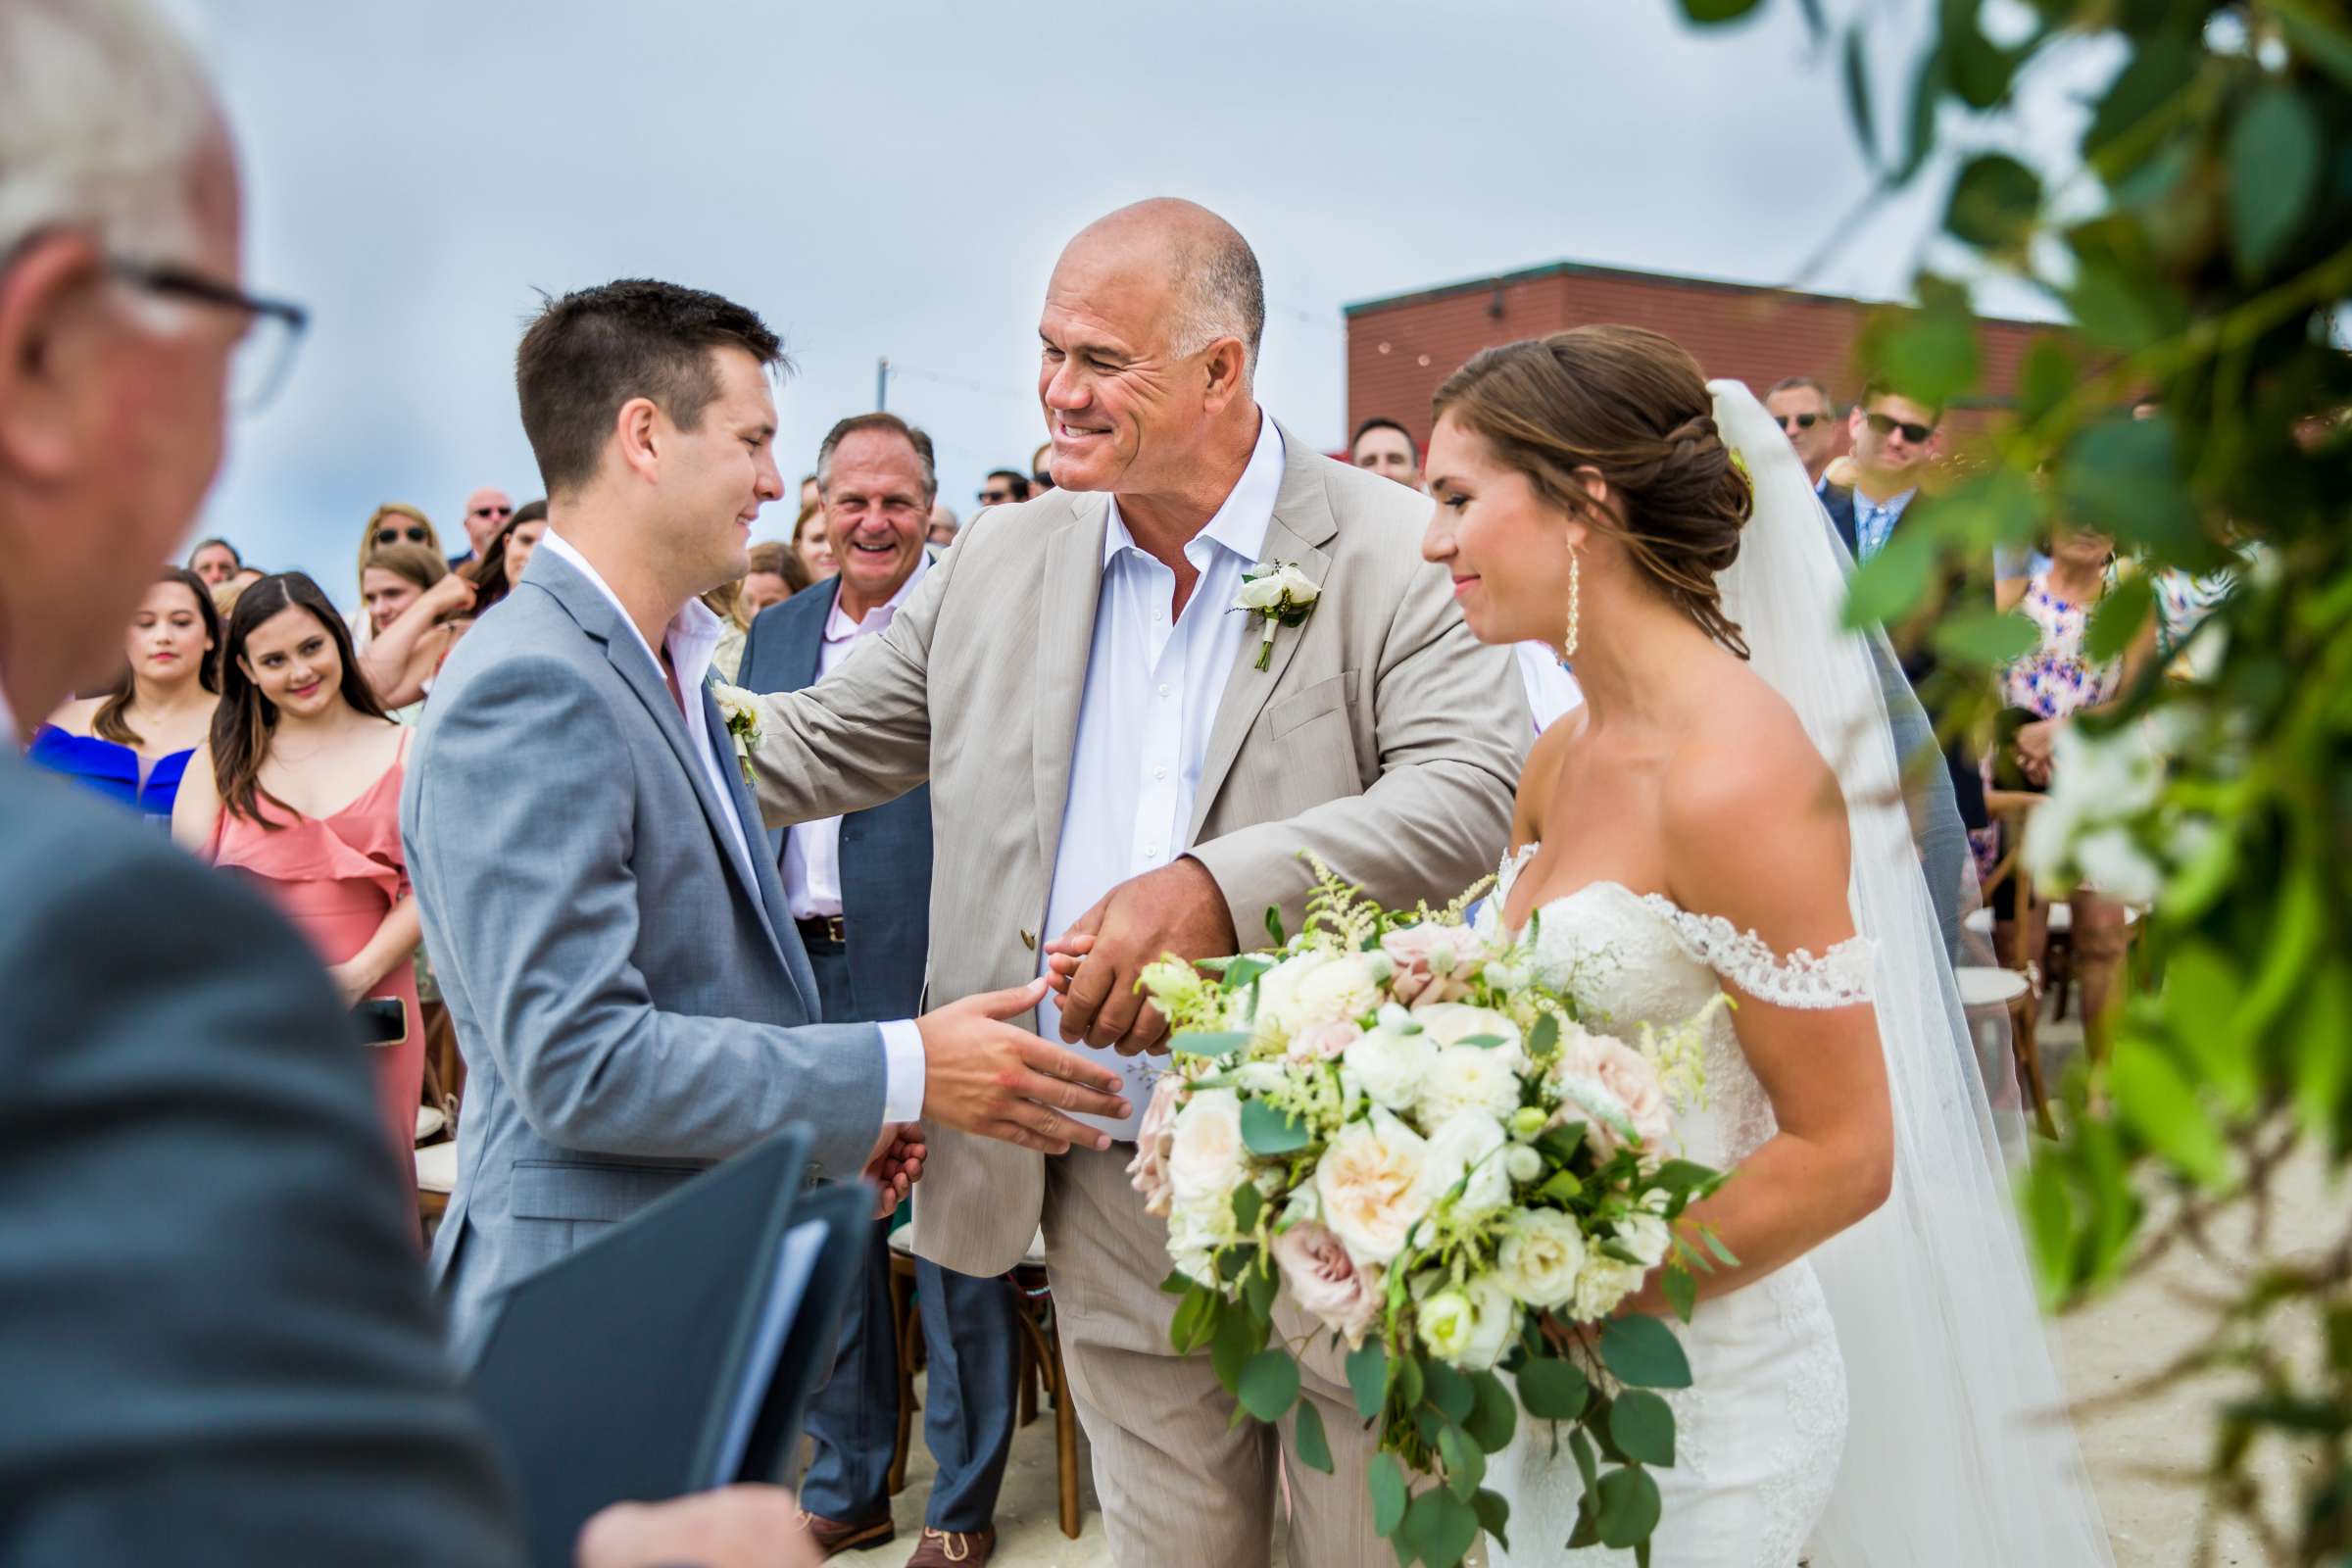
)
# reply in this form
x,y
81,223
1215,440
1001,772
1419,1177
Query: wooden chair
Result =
x,y
1040,1352
2012,988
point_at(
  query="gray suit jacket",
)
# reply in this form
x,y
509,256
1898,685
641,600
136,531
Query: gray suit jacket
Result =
x,y
1383,737
631,1001
216,1340
885,849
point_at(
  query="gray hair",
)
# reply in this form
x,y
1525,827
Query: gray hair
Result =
x,y
889,422
103,103
1223,295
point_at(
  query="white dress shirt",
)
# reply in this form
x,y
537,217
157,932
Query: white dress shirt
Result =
x,y
692,637
811,860
1552,691
1152,694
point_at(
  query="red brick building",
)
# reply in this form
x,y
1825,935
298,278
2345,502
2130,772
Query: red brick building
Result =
x,y
1399,347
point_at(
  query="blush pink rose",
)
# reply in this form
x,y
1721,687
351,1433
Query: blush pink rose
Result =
x,y
1147,1173
1631,1079
1326,1283
1411,950
1324,1042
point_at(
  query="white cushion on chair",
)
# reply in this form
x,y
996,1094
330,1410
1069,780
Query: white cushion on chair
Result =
x,y
1983,987
1980,920
902,1240
437,1167
430,1121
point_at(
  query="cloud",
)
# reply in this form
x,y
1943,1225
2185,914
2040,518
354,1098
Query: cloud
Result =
x,y
895,180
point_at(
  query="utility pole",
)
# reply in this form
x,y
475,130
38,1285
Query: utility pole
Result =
x,y
882,383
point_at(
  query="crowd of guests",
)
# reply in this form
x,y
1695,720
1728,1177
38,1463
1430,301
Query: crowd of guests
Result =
x,y
271,731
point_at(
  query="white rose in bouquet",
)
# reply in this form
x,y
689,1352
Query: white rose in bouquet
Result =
x,y
1600,1285
1340,990
1277,985
1468,1078
1373,1181
1449,1023
1543,1254
1470,1144
1389,1066
1471,1327
1207,1158
1644,1235
1195,1232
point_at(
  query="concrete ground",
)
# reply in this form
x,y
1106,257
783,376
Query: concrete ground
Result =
x,y
2153,1518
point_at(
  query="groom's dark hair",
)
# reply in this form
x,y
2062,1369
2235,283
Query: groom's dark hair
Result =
x,y
591,351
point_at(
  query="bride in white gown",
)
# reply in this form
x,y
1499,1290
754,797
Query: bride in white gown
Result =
x,y
1872,1388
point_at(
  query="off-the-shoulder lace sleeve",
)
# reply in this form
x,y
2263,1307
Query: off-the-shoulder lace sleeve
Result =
x,y
1838,978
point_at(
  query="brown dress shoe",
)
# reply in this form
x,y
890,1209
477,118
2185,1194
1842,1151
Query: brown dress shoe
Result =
x,y
953,1548
833,1536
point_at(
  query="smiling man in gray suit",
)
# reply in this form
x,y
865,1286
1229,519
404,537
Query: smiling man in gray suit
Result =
x,y
628,989
1116,769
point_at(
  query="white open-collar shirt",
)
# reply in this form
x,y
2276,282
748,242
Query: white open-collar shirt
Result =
x,y
1153,687
811,860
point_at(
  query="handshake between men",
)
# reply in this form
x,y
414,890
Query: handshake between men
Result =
x,y
984,1075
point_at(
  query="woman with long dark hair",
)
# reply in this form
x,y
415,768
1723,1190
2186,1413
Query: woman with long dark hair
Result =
x,y
133,742
299,791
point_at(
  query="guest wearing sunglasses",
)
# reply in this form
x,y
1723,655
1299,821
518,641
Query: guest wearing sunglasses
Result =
x,y
1896,439
487,511
395,522
1808,416
1041,472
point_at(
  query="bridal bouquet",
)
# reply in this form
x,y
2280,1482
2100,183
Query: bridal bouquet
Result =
x,y
1389,1120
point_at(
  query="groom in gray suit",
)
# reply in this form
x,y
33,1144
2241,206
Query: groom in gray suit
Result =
x,y
628,989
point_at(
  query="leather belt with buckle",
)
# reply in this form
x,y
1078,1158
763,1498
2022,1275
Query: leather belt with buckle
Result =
x,y
824,928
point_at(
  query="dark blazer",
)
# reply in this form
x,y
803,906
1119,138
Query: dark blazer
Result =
x,y
1838,500
215,1334
885,849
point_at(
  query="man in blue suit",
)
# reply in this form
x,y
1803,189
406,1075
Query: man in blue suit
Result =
x,y
858,887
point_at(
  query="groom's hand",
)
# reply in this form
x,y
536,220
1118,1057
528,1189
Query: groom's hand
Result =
x,y
896,1165
984,1075
1177,909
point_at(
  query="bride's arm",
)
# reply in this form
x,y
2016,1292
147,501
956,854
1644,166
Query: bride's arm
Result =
x,y
1760,838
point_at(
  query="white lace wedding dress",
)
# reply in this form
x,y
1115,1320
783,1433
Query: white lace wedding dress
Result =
x,y
1760,1432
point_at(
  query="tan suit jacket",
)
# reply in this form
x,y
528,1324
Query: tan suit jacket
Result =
x,y
1383,737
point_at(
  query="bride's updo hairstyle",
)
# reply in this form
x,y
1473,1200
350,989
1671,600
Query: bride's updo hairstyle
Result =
x,y
1633,406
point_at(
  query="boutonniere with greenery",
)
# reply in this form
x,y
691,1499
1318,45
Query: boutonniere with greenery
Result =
x,y
1280,595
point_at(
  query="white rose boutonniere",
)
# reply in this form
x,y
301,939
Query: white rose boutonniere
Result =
x,y
742,711
1280,595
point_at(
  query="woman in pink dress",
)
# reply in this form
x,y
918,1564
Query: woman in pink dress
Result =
x,y
299,791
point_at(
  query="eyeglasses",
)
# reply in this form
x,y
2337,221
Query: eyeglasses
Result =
x,y
391,536
1801,421
273,327
491,512
1042,480
1887,423
994,497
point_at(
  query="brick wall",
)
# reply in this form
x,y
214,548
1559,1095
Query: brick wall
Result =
x,y
1398,349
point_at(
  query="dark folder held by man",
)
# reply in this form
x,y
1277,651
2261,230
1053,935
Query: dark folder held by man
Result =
x,y
675,1354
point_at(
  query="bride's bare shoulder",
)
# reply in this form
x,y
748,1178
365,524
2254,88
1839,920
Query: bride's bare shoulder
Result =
x,y
1540,772
1748,805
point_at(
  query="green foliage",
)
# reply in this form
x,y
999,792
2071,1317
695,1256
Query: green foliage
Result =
x,y
1314,1447
2199,237
1267,1131
1643,1353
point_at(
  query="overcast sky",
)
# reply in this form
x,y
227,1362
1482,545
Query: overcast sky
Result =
x,y
888,179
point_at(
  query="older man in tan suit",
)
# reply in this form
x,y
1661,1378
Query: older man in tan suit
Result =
x,y
1112,772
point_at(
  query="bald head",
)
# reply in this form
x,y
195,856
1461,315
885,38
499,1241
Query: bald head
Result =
x,y
1147,342
1208,271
